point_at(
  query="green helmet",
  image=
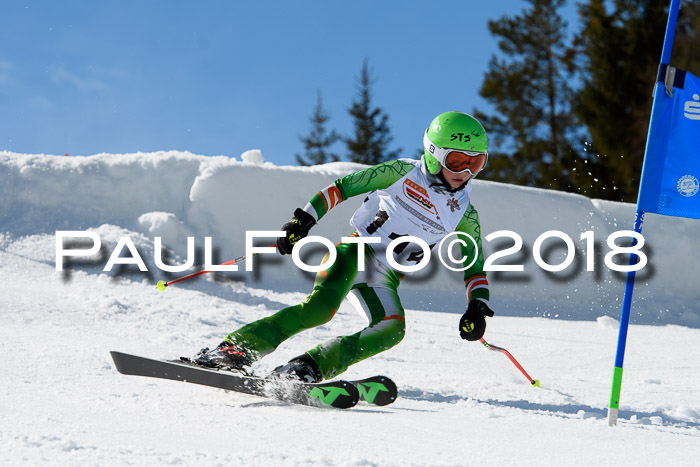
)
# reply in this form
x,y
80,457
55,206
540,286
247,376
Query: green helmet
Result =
x,y
452,130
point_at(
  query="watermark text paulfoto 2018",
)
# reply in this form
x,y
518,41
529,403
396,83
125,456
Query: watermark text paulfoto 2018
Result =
x,y
407,249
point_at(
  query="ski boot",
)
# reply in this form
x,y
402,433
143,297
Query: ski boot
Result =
x,y
225,356
301,368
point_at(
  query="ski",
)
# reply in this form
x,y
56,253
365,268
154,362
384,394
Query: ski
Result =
x,y
376,390
339,394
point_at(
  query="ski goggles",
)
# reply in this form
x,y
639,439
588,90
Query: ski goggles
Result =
x,y
457,160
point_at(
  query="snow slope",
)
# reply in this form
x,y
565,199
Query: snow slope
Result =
x,y
63,403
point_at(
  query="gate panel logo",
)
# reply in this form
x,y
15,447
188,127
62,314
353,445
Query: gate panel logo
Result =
x,y
687,186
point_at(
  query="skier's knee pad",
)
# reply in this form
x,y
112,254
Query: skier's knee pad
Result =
x,y
398,328
320,307
389,332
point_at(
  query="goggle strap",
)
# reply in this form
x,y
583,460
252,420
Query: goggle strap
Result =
x,y
432,149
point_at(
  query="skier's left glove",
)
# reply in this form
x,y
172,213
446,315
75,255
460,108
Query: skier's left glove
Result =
x,y
295,230
472,324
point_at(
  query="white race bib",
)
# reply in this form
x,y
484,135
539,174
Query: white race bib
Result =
x,y
409,207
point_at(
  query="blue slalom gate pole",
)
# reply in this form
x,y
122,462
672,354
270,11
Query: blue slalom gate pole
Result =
x,y
624,322
638,221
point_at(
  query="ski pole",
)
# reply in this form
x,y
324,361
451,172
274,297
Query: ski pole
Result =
x,y
162,284
534,382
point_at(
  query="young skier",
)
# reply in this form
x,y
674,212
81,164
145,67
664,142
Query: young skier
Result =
x,y
428,199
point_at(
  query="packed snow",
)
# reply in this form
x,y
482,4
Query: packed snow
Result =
x,y
63,402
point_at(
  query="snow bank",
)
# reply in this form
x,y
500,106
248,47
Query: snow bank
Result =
x,y
175,195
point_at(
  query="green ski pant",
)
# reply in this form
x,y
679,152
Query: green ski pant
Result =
x,y
373,290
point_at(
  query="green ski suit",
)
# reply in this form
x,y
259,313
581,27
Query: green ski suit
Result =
x,y
374,290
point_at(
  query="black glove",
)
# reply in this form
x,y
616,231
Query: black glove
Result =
x,y
472,324
295,230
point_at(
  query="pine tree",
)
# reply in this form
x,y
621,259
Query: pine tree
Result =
x,y
685,47
620,43
319,141
369,144
533,136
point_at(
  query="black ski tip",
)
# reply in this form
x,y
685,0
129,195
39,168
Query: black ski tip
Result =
x,y
118,358
351,400
377,390
337,394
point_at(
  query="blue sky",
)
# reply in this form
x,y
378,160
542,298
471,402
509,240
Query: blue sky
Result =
x,y
222,77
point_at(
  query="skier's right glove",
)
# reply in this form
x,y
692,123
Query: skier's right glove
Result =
x,y
473,323
295,230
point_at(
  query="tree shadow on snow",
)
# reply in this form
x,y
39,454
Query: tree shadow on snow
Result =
x,y
559,410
